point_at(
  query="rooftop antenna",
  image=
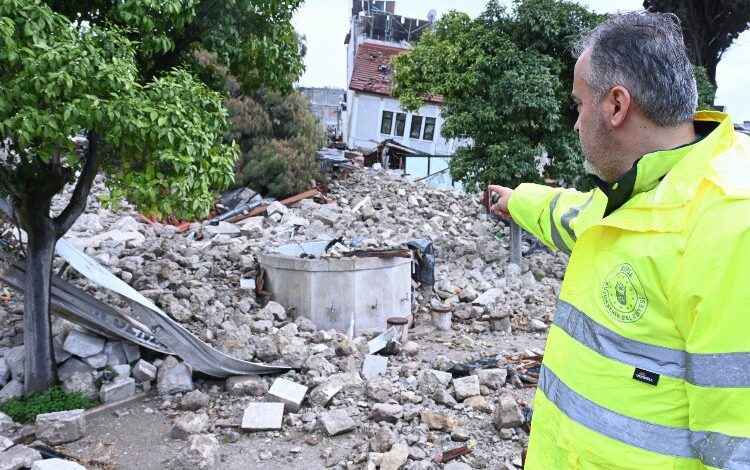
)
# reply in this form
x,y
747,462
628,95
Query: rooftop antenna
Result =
x,y
431,15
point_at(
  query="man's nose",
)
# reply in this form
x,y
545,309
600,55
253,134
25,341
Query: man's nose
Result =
x,y
576,126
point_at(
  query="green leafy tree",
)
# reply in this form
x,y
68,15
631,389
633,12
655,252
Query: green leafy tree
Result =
x,y
709,27
706,89
253,38
160,143
505,78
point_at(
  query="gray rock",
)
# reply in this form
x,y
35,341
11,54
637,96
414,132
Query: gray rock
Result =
x,y
291,394
374,365
201,453
174,377
195,400
466,387
395,458
491,378
489,297
115,353
507,414
5,443
61,355
122,370
443,397
337,422
263,416
144,371
61,426
323,393
4,371
120,389
305,324
15,359
253,385
6,424
132,351
81,382
56,464
457,466
14,388
82,344
379,389
431,379
320,364
387,412
272,311
189,424
72,366
18,457
97,361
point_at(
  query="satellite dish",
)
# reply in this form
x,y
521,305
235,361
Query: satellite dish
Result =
x,y
431,15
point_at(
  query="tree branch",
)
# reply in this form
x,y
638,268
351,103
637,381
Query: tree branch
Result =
x,y
77,203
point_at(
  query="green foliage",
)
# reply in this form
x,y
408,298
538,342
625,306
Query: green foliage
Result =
x,y
160,142
505,78
25,410
706,89
253,38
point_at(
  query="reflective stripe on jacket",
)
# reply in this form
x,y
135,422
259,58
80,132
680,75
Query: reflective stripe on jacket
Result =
x,y
647,364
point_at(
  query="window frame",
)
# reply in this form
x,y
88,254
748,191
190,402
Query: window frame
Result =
x,y
424,130
403,125
411,126
390,122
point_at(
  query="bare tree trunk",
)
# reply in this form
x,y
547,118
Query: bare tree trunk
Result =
x,y
39,371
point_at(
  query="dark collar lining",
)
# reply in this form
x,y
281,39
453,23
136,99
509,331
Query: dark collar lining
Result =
x,y
620,190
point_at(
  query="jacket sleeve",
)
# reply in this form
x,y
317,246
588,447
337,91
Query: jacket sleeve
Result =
x,y
551,214
710,300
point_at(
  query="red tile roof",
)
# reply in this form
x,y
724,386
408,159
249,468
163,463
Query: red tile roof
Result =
x,y
373,72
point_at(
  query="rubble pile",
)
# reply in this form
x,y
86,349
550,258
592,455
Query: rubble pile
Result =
x,y
436,392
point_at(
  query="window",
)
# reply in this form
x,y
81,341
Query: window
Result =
x,y
416,126
387,122
400,124
429,129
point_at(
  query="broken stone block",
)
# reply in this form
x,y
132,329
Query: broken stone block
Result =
x,y
387,412
337,422
81,382
479,403
194,400
395,458
287,392
60,354
489,297
437,421
466,387
118,390
122,370
323,393
144,371
431,379
277,208
201,453
174,377
132,351
251,385
457,466
14,388
19,457
374,365
222,228
491,378
189,424
61,426
83,345
507,414
251,226
97,361
72,366
5,443
320,364
56,464
263,416
115,353
379,389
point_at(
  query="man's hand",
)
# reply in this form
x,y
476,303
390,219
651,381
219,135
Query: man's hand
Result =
x,y
504,194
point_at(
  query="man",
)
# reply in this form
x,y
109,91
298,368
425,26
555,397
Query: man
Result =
x,y
647,365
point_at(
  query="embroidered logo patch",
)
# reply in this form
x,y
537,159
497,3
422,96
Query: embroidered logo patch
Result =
x,y
623,294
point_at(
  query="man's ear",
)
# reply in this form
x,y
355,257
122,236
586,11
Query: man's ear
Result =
x,y
616,105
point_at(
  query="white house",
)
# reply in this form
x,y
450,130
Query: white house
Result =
x,y
372,115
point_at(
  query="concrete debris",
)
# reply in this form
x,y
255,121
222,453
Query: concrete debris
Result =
x,y
287,392
263,416
120,389
203,452
337,422
395,458
56,464
82,344
81,382
438,421
6,424
195,400
14,388
374,365
174,377
189,424
18,457
466,387
390,412
507,414
144,371
253,386
60,427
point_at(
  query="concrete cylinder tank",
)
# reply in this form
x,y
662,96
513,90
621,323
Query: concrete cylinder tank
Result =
x,y
329,290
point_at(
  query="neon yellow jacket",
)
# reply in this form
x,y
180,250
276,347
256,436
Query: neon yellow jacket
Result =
x,y
647,364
